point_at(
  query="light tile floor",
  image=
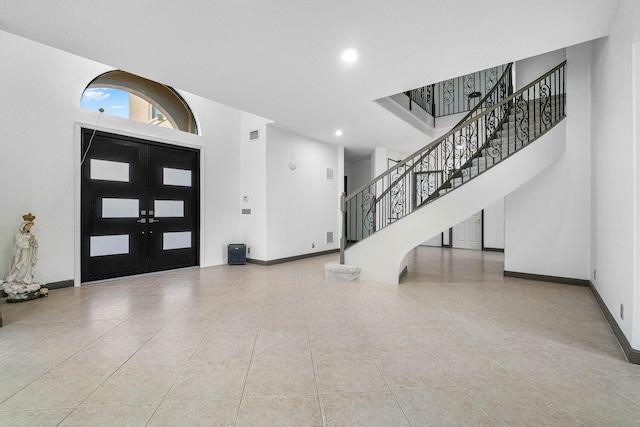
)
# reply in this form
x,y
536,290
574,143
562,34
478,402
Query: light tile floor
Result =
x,y
455,344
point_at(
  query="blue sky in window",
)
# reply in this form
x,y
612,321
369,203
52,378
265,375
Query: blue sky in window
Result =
x,y
114,101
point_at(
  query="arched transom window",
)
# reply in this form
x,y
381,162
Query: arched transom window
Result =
x,y
127,95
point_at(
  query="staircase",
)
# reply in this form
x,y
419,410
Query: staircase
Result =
x,y
457,175
507,140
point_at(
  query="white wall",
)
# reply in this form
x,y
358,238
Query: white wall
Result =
x,y
548,221
254,186
302,204
395,155
379,161
615,173
41,89
493,225
529,69
221,193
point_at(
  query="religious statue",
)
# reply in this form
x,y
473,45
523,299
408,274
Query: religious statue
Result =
x,y
21,285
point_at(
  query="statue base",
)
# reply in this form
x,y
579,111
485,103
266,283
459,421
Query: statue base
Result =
x,y
29,296
19,292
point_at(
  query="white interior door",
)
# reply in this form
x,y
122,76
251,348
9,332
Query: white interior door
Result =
x,y
468,233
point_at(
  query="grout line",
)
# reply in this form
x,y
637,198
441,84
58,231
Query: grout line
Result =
x,y
244,386
313,366
49,370
389,387
188,360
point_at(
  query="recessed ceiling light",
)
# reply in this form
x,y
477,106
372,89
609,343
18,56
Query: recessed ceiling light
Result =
x,y
349,55
339,132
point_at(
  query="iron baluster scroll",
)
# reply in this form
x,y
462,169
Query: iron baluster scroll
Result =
x,y
501,123
399,192
368,212
448,98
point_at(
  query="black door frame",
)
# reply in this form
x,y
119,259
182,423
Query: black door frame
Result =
x,y
84,131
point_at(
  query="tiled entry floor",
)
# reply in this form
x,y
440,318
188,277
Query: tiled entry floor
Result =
x,y
455,344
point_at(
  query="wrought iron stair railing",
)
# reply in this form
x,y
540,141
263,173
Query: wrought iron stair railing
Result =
x,y
488,134
455,95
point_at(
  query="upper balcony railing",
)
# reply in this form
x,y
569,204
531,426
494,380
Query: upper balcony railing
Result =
x,y
456,95
497,127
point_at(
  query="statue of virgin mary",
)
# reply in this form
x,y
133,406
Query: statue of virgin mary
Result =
x,y
21,285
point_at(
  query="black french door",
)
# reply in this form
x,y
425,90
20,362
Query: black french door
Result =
x,y
139,206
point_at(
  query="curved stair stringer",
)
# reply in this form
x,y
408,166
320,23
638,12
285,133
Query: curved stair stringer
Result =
x,y
382,256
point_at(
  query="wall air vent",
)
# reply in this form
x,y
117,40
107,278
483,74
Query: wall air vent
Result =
x,y
329,237
330,174
253,135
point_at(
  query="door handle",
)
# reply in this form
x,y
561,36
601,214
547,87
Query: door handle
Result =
x,y
141,220
151,220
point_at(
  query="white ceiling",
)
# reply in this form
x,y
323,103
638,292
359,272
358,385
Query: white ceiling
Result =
x,y
280,59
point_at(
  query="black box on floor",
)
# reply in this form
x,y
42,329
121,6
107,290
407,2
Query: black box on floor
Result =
x,y
237,254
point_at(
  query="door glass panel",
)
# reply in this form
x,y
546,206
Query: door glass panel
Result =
x,y
169,208
109,245
120,208
109,171
177,240
177,177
